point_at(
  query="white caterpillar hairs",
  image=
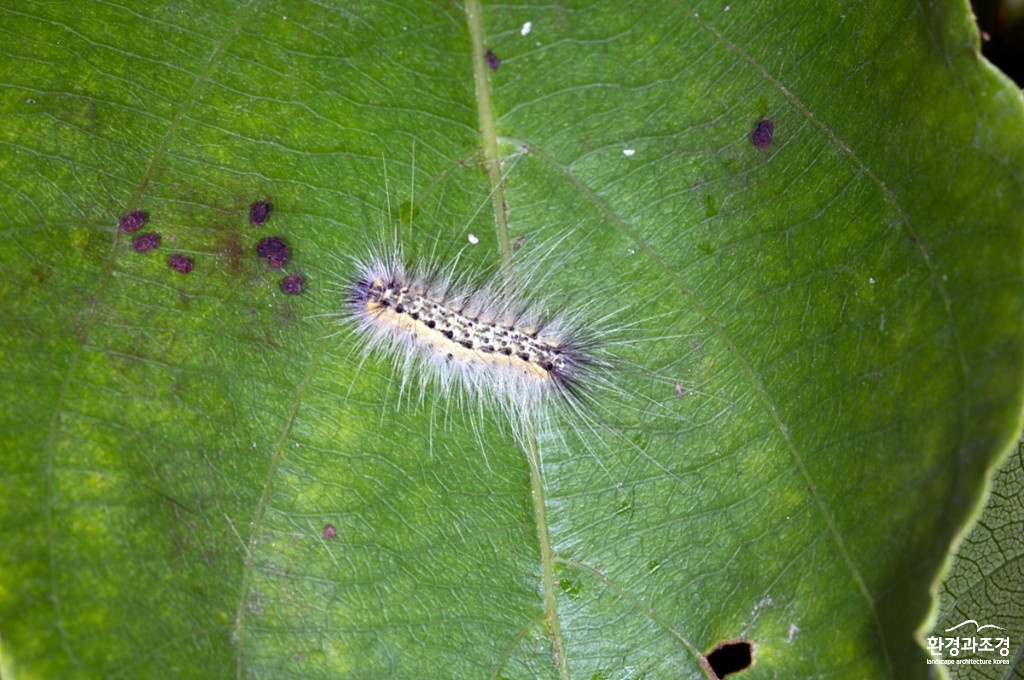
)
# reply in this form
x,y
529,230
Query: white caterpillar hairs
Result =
x,y
501,348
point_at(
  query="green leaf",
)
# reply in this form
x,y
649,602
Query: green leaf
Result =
x,y
206,477
984,584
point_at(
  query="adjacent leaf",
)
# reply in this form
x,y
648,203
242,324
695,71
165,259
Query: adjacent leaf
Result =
x,y
984,585
204,476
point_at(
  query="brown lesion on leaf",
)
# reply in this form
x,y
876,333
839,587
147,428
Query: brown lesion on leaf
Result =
x,y
229,247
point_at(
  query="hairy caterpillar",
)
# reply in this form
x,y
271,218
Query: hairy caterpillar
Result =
x,y
506,349
526,346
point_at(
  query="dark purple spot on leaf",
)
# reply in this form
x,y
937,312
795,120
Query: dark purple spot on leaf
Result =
x,y
330,531
143,243
133,221
274,250
292,284
763,133
519,242
180,263
492,60
259,212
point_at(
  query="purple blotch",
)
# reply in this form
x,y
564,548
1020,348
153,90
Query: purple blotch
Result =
x,y
143,243
180,263
133,221
259,212
330,531
293,284
492,60
274,249
763,133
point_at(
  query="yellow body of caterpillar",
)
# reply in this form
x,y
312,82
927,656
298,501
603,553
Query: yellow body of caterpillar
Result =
x,y
464,338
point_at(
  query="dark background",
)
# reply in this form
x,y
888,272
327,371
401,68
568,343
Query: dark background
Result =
x,y
1002,34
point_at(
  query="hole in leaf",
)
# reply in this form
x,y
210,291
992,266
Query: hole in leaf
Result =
x,y
730,657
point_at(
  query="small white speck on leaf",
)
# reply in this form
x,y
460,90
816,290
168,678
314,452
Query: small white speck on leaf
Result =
x,y
527,27
473,239
628,152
